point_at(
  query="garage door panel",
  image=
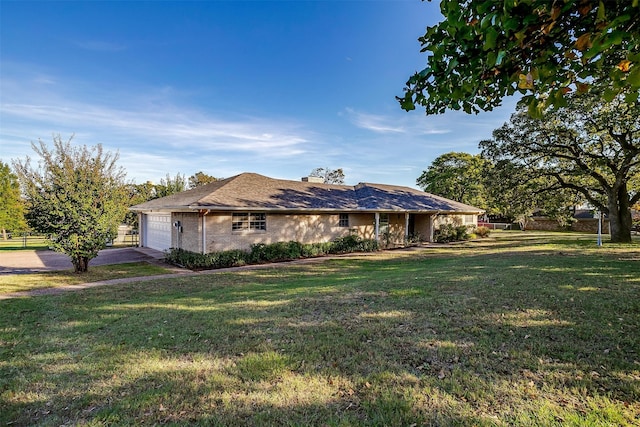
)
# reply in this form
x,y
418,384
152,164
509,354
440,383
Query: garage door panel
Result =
x,y
158,230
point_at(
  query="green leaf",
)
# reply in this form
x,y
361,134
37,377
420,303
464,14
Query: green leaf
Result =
x,y
601,11
491,59
631,97
488,20
511,24
491,36
633,78
406,103
609,94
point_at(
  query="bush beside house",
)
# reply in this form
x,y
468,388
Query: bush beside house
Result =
x,y
264,253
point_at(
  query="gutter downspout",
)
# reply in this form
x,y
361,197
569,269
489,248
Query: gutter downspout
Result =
x,y
204,230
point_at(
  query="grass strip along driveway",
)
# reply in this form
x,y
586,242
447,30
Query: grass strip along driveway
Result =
x,y
522,329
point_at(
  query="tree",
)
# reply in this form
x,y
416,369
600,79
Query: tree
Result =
x,y
457,176
200,178
485,50
171,185
11,204
503,188
330,176
138,193
588,146
515,191
76,195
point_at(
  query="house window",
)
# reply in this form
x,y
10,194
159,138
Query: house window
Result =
x,y
344,220
384,223
469,219
249,221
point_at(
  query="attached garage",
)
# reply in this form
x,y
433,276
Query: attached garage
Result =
x,y
157,231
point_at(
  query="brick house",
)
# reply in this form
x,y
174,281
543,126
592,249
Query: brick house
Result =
x,y
247,209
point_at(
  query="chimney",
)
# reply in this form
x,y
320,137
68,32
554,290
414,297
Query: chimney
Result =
x,y
314,179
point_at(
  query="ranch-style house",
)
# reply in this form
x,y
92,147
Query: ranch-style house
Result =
x,y
247,209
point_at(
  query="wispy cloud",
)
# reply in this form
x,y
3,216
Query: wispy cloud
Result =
x,y
372,122
153,131
168,126
390,124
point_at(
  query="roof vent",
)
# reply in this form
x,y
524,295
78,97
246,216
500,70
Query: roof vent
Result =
x,y
314,179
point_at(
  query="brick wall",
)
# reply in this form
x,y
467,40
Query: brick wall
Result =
x,y
584,225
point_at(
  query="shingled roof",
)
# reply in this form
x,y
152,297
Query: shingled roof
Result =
x,y
251,191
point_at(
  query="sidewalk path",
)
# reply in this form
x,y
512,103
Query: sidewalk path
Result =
x,y
177,273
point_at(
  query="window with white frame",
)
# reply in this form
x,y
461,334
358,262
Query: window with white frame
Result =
x,y
344,220
249,221
384,223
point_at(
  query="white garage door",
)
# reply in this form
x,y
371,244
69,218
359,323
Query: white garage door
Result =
x,y
158,231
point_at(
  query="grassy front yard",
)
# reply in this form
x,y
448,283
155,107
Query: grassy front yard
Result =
x,y
523,329
19,242
54,279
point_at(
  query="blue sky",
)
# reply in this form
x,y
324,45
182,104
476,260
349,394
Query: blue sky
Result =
x,y
224,87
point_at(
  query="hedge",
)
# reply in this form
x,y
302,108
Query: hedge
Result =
x,y
264,253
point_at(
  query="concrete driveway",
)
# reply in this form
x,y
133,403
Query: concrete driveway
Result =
x,y
19,262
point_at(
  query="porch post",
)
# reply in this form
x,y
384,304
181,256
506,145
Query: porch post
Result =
x,y
377,226
431,218
406,226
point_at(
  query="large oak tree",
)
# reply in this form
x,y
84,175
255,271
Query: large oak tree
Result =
x,y
502,188
76,195
588,146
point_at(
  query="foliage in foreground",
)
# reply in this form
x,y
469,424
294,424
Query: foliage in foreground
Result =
x,y
485,50
536,331
274,252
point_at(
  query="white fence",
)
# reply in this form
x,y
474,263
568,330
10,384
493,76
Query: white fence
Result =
x,y
499,225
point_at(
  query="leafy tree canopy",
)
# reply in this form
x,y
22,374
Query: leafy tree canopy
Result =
x,y
588,146
11,204
485,50
200,178
76,195
330,176
517,192
171,185
456,176
501,188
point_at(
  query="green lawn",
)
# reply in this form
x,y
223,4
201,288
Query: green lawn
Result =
x,y
521,329
27,282
19,243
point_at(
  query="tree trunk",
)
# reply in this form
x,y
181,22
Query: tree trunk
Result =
x,y
620,215
4,234
81,264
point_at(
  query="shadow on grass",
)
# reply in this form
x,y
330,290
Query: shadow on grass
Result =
x,y
476,340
